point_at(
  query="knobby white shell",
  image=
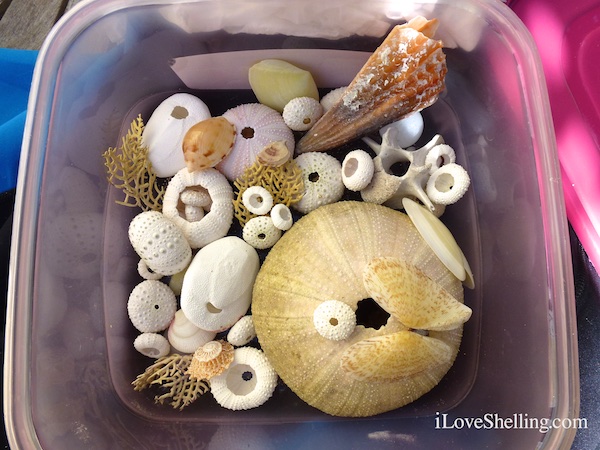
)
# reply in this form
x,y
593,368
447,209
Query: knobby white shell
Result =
x,y
151,306
448,184
152,345
406,131
301,113
242,332
249,381
322,177
282,217
215,224
185,337
217,287
159,243
261,233
164,131
357,170
257,200
334,320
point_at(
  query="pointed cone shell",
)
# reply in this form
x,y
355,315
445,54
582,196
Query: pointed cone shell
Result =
x,y
394,356
405,74
332,246
412,297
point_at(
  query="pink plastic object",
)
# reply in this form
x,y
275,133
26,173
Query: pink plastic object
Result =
x,y
567,35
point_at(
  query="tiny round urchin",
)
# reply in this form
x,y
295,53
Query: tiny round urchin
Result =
x,y
151,306
301,113
334,320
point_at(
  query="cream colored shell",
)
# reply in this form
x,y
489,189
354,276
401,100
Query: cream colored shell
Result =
x,y
332,246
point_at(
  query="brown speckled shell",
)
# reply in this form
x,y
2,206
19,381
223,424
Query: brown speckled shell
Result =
x,y
322,257
206,143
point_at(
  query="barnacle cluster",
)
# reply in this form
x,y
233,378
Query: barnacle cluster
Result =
x,y
170,374
130,170
284,183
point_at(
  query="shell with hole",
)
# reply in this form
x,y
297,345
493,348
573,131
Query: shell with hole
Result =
x,y
332,247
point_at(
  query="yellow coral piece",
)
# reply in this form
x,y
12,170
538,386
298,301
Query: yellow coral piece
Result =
x,y
130,170
169,373
284,183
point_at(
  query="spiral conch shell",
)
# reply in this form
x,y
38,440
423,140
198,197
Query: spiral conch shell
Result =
x,y
404,75
334,247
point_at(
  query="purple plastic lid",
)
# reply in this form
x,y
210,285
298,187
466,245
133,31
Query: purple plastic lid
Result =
x,y
567,35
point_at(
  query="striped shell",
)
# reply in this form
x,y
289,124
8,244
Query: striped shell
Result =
x,y
212,359
332,246
206,143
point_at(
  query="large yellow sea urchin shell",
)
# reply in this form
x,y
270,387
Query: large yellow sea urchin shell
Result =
x,y
324,257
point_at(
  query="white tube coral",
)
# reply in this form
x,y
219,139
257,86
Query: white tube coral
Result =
x,y
249,381
216,223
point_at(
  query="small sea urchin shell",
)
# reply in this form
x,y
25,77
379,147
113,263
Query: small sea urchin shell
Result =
x,y
212,359
152,345
249,381
301,113
151,306
257,126
334,320
448,184
438,156
261,233
322,176
257,200
242,332
282,217
357,170
159,242
213,225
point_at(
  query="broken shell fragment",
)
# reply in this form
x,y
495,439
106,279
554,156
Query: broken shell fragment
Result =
x,y
206,143
242,332
404,75
334,320
357,170
394,356
165,130
184,336
448,184
439,238
152,345
257,200
249,381
412,297
212,359
274,155
217,287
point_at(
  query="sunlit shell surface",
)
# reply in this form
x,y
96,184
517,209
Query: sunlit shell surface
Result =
x,y
331,248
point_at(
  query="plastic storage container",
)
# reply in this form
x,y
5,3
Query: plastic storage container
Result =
x,y
69,356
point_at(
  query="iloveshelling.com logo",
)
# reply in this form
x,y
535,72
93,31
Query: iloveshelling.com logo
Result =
x,y
518,421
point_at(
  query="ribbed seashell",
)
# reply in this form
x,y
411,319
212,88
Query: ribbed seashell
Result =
x,y
331,247
212,359
217,287
357,170
257,126
152,345
242,332
159,242
151,306
322,176
216,223
166,128
275,154
184,336
249,381
206,143
405,74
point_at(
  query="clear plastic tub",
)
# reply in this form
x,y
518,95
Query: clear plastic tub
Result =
x,y
69,358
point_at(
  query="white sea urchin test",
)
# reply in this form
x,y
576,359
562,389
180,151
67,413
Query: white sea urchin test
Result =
x,y
257,200
151,306
301,113
334,320
152,345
